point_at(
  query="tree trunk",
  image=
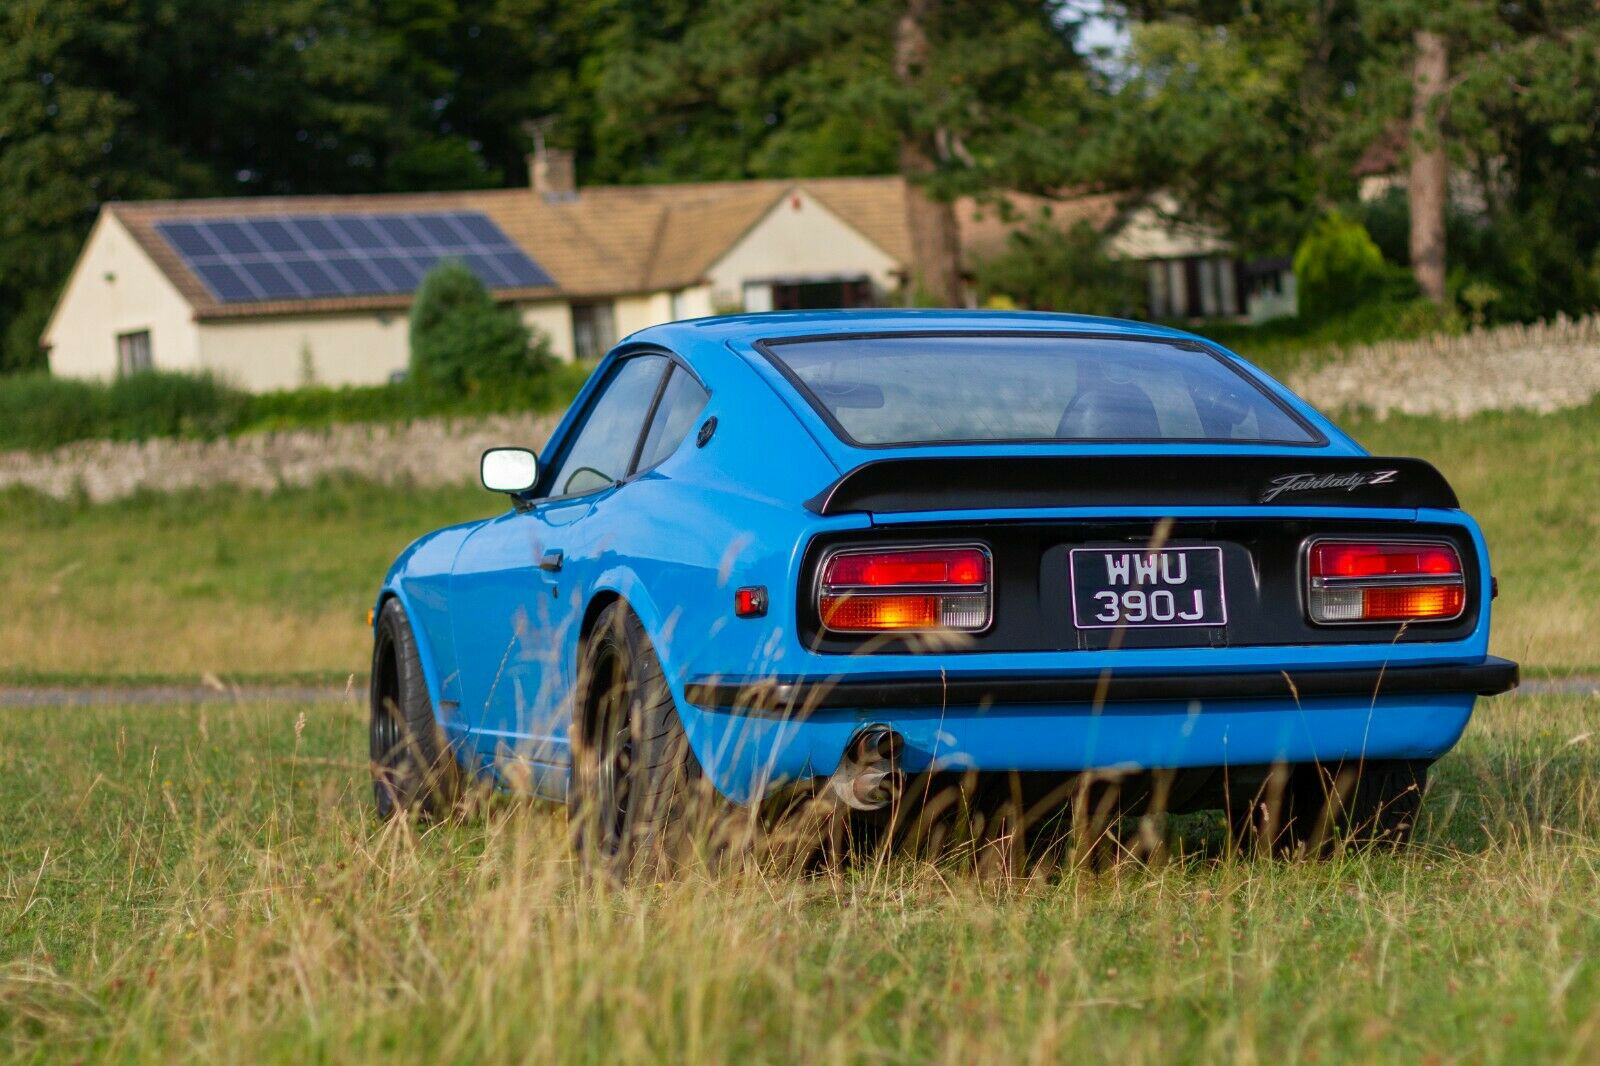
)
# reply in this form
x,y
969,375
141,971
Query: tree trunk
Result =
x,y
935,267
1428,186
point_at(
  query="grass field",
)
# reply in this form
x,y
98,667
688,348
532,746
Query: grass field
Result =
x,y
238,584
207,883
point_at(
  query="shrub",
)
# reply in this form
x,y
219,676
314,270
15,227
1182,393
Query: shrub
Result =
x,y
462,342
1518,264
39,411
1045,268
171,405
1338,267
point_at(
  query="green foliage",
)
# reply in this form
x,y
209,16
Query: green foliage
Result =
x,y
1219,120
550,389
57,122
770,88
1517,265
1248,117
146,405
1252,116
462,342
40,411
1338,267
1046,268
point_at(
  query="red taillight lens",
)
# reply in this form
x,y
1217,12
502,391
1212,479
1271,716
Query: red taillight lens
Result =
x,y
1384,581
928,566
1339,559
874,591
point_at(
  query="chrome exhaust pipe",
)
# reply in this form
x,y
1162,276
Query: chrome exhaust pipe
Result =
x,y
869,777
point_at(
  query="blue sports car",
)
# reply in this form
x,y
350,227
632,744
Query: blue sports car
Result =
x,y
835,551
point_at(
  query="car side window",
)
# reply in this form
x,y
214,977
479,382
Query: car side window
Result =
x,y
605,442
681,403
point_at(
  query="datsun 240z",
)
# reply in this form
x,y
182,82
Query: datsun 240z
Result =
x,y
839,550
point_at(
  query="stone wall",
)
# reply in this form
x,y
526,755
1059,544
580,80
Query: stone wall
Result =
x,y
1543,367
424,452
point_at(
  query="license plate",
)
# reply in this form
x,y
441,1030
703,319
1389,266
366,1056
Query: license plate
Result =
x,y
1114,588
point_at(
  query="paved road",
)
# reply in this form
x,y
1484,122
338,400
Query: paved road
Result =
x,y
121,696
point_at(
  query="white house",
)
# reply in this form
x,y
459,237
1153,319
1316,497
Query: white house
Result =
x,y
275,293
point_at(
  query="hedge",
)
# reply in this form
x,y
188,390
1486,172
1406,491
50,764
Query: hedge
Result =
x,y
39,411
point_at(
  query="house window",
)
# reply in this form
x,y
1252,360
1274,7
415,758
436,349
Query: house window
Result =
x,y
133,352
808,295
1160,304
594,330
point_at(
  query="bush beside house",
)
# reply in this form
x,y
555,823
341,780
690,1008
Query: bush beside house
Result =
x,y
469,357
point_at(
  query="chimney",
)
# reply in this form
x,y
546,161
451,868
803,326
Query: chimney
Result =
x,y
551,172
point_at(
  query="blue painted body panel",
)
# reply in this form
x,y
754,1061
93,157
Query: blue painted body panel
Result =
x,y
501,639
752,753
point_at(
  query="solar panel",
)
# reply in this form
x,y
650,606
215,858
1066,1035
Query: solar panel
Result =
x,y
287,257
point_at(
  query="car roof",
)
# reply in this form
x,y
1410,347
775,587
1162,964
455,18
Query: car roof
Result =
x,y
769,325
704,340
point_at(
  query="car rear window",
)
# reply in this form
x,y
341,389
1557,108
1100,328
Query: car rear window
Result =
x,y
938,389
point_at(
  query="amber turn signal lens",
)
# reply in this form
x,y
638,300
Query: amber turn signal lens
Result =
x,y
880,612
1398,603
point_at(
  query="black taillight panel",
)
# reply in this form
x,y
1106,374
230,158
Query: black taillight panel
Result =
x,y
1263,565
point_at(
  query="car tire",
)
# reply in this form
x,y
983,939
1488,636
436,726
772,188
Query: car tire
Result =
x,y
414,769
1381,809
635,779
1310,810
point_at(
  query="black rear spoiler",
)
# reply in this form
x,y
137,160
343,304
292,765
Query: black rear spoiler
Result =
x,y
894,486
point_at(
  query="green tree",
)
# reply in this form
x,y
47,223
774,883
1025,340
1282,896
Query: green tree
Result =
x,y
1252,113
1513,121
1338,267
961,98
59,130
1227,108
462,342
1045,268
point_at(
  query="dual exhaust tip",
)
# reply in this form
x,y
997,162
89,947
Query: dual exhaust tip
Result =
x,y
869,777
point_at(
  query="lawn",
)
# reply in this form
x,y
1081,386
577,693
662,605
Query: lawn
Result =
x,y
239,584
232,583
207,883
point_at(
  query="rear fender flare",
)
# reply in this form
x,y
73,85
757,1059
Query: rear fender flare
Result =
x,y
660,626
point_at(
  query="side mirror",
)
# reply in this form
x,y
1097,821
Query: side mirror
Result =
x,y
509,469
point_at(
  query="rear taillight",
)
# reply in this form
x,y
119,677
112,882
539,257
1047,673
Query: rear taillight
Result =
x,y
880,590
1384,581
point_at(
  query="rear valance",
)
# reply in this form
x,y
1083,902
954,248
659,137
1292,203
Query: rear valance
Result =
x,y
892,486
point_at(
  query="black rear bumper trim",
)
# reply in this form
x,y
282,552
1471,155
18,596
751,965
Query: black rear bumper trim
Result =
x,y
784,697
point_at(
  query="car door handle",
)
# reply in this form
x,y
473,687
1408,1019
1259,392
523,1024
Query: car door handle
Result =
x,y
551,560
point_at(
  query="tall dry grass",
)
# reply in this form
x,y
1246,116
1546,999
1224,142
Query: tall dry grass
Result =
x,y
205,883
